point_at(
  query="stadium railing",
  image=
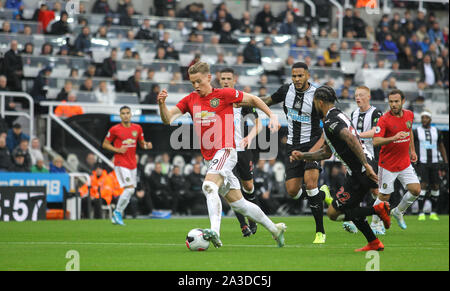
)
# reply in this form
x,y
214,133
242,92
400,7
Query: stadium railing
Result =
x,y
18,95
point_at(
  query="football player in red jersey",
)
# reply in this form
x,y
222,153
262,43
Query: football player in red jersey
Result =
x,y
213,118
395,136
122,140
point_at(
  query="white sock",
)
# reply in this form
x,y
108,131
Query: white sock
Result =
x,y
249,192
423,192
407,200
298,194
312,192
253,212
124,199
214,204
376,218
433,193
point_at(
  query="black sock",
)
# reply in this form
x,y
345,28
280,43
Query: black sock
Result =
x,y
421,201
358,213
241,219
316,205
434,203
364,227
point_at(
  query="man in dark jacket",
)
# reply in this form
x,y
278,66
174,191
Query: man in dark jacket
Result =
x,y
109,66
101,7
195,193
159,185
62,26
18,164
5,156
82,44
40,88
265,18
144,32
133,85
9,101
252,54
13,67
178,187
14,136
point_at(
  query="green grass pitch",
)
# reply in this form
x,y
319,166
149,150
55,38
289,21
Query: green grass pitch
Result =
x,y
159,245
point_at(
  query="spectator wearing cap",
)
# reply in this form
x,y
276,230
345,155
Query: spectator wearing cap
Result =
x,y
14,136
23,148
18,164
5,156
57,165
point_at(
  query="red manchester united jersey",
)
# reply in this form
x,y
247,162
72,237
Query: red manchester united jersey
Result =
x,y
394,156
119,136
213,118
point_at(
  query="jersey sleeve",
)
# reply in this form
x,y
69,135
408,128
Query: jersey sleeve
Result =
x,y
141,134
111,135
183,105
231,95
376,116
334,126
380,129
280,94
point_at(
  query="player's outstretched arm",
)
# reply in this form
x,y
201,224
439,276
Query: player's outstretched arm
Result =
x,y
323,153
354,145
380,141
167,116
254,101
268,100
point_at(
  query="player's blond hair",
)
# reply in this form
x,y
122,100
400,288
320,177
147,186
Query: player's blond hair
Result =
x,y
363,88
199,67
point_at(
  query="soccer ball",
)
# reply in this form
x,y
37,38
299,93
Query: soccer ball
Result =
x,y
195,240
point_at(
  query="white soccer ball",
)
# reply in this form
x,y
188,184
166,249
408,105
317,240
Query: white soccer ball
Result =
x,y
195,240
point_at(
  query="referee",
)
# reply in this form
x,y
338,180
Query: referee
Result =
x,y
430,142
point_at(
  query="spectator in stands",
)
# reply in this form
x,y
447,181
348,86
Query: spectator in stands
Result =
x,y
245,24
389,45
14,136
23,147
435,32
151,97
263,189
395,66
178,187
222,17
13,67
127,18
47,49
65,91
18,164
194,185
252,54
36,151
409,30
133,83
159,185
442,70
262,92
392,83
61,26
160,54
5,156
109,65
28,49
101,7
56,166
348,22
6,27
39,167
10,105
406,59
226,36
40,89
380,93
87,85
67,111
102,32
91,71
359,25
144,32
45,16
104,94
337,177
82,44
73,73
100,191
422,33
331,56
288,26
192,11
428,72
14,4
122,6
265,18
150,75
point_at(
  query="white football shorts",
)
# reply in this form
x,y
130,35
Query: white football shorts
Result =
x,y
223,164
386,179
126,177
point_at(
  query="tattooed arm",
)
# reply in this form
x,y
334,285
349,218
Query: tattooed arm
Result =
x,y
323,153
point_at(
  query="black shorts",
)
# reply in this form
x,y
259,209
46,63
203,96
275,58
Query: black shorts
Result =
x,y
297,169
352,193
244,167
428,173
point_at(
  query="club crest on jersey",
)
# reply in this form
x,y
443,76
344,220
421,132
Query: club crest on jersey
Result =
x,y
297,105
214,102
408,124
134,133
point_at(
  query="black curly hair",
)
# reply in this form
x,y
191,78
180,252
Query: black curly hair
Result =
x,y
326,94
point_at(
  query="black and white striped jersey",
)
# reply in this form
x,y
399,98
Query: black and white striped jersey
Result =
x,y
303,121
365,121
426,142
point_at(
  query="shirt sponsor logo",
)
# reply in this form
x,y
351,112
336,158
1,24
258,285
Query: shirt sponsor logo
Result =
x,y
292,114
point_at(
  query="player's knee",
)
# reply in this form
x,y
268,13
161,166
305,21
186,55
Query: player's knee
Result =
x,y
415,189
209,187
247,185
384,197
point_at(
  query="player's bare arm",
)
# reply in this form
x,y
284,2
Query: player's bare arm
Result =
x,y
146,145
368,134
254,101
108,146
380,141
355,146
323,153
268,100
167,116
318,144
412,149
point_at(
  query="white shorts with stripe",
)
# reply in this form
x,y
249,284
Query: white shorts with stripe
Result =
x,y
223,164
386,179
125,176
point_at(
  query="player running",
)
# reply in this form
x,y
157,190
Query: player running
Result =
x,y
304,134
364,120
212,115
244,166
430,142
394,134
122,140
343,141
